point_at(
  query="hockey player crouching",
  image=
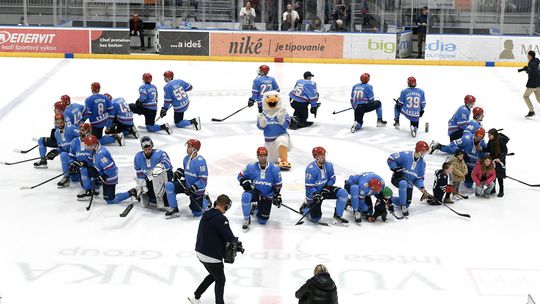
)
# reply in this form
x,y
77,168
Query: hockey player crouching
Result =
x,y
80,159
274,122
361,187
105,172
122,118
153,168
49,142
191,180
262,183
64,135
320,180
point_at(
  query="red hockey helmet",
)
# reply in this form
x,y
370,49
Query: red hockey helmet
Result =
x,y
95,87
147,77
364,78
411,81
480,133
85,128
263,70
168,74
477,112
66,99
59,116
108,96
469,99
91,141
375,184
421,146
318,151
195,143
262,151
60,106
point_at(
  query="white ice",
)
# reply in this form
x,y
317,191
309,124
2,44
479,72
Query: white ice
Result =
x,y
53,251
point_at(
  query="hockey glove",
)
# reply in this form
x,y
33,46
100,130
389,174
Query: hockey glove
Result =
x,y
138,103
193,189
398,172
179,174
246,184
74,168
277,200
102,178
317,198
421,113
163,112
325,193
313,110
448,189
52,154
251,102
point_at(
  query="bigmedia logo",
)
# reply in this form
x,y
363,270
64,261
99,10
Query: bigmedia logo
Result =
x,y
387,47
441,50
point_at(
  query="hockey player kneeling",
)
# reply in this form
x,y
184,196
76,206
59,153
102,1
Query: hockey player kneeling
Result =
x,y
154,169
275,121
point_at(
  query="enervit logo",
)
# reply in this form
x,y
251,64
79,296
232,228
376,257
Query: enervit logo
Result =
x,y
4,37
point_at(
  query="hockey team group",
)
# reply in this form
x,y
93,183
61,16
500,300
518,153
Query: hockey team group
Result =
x,y
82,131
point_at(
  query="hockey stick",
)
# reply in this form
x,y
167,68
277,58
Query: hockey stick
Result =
x,y
35,186
442,203
25,151
19,162
300,222
91,200
220,120
295,211
510,154
517,180
126,211
341,111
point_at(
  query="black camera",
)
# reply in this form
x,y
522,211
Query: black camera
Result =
x,y
231,249
523,69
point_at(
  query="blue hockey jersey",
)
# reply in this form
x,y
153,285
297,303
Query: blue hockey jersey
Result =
x,y
411,102
266,181
305,91
196,172
148,96
175,94
472,126
413,170
317,178
65,136
104,164
459,120
273,129
362,180
361,93
122,112
466,143
144,165
79,152
99,110
73,114
261,85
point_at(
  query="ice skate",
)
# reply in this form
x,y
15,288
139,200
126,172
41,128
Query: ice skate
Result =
x,y
381,123
196,123
167,128
120,139
64,182
396,124
41,164
413,131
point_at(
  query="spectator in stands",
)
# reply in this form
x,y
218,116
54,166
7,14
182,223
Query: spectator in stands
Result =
x,y
315,25
286,25
339,26
422,23
537,26
300,11
319,289
136,28
370,23
21,22
294,16
247,17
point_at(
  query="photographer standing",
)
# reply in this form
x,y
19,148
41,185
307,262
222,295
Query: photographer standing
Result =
x,y
213,237
533,83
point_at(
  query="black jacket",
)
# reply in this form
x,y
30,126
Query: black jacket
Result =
x,y
440,183
421,18
214,232
503,141
320,289
534,74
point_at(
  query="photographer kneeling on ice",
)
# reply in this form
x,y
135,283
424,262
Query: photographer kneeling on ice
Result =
x,y
215,243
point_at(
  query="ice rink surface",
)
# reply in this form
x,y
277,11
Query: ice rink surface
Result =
x,y
54,251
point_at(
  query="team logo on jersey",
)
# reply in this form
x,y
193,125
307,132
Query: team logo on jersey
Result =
x,y
104,159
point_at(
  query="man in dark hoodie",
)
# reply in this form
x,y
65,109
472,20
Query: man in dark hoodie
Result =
x,y
320,289
533,83
213,235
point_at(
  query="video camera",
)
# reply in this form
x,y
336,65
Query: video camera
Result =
x,y
523,69
231,249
